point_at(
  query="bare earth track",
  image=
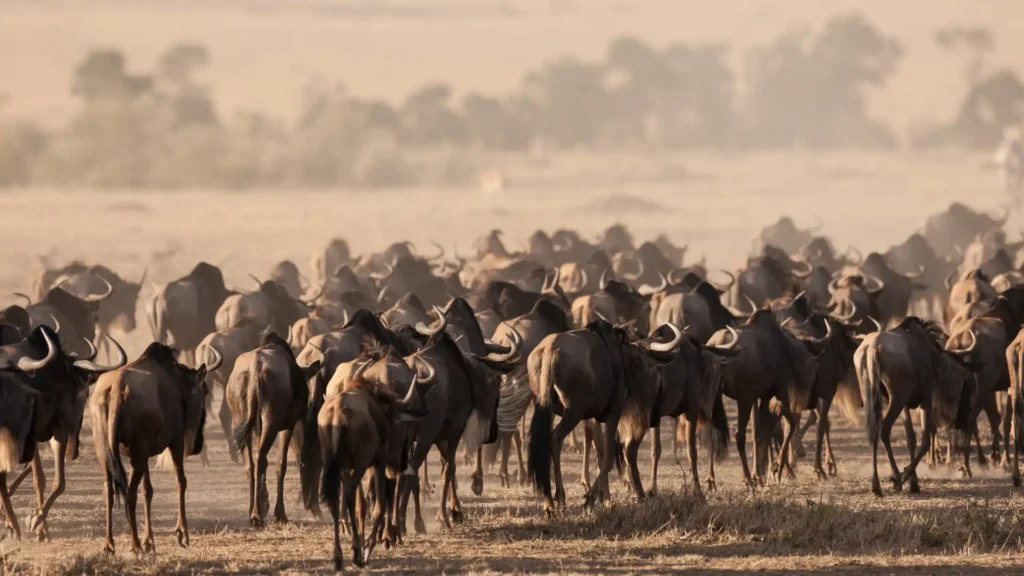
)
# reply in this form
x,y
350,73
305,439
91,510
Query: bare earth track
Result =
x,y
962,526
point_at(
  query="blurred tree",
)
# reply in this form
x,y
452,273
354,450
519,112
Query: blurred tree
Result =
x,y
101,76
994,103
568,102
189,100
426,118
812,90
495,125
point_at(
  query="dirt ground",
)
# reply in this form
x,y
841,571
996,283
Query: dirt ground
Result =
x,y
715,204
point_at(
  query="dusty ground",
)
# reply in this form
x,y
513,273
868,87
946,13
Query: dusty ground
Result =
x,y
961,526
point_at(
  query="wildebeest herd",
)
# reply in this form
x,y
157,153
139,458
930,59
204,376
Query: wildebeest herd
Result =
x,y
360,369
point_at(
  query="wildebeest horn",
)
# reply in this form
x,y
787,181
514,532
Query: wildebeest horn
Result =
x,y
878,325
378,276
583,280
637,275
881,285
311,300
733,343
28,301
672,275
344,317
122,359
969,349
670,345
825,338
555,278
647,290
442,323
851,315
950,281
753,307
808,268
498,353
92,297
26,363
832,285
916,275
732,280
383,292
288,337
851,251
90,356
218,358
259,284
603,281
145,272
56,324
601,316
440,252
428,378
802,294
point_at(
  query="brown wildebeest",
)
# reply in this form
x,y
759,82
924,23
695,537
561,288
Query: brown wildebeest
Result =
x,y
354,427
268,397
183,312
598,373
972,288
908,368
60,389
771,364
1015,363
690,385
151,405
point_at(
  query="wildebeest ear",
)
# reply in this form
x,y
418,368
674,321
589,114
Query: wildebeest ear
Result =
x,y
312,369
201,373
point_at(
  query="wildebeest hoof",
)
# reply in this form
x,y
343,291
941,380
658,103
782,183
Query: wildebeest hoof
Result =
x,y
820,474
357,557
477,484
108,550
281,518
652,492
182,537
712,485
832,470
965,472
255,522
457,516
149,547
897,483
1016,481
419,526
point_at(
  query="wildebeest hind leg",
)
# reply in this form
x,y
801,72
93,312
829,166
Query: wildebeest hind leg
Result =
x,y
892,412
611,424
148,544
282,468
262,495
225,423
655,456
790,423
138,466
742,419
60,450
181,529
910,473
39,484
12,520
822,421
632,449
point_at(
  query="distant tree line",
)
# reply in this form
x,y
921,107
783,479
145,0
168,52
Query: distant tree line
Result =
x,y
163,128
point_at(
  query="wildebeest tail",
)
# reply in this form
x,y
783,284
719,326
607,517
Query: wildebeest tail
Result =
x,y
1016,392
538,461
243,432
115,468
870,376
330,479
310,459
719,429
965,423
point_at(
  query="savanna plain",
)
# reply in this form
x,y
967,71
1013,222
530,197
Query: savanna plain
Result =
x,y
713,203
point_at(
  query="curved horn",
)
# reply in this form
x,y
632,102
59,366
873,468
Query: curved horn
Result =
x,y
604,279
916,275
583,279
27,364
431,372
90,356
949,280
383,292
881,285
670,345
808,268
878,325
732,280
259,284
218,359
515,340
802,294
92,297
312,299
672,276
122,359
56,324
555,278
28,301
440,252
735,340
288,337
851,315
826,337
647,290
637,275
378,276
600,316
969,349
753,307
442,323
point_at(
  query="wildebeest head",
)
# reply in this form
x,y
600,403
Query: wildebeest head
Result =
x,y
957,227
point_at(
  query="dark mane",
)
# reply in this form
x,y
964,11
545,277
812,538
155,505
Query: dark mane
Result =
x,y
161,354
461,314
552,314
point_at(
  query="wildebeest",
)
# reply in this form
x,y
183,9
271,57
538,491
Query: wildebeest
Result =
x,y
182,312
907,368
270,305
151,405
118,297
60,388
956,227
268,396
354,427
600,373
771,364
786,235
